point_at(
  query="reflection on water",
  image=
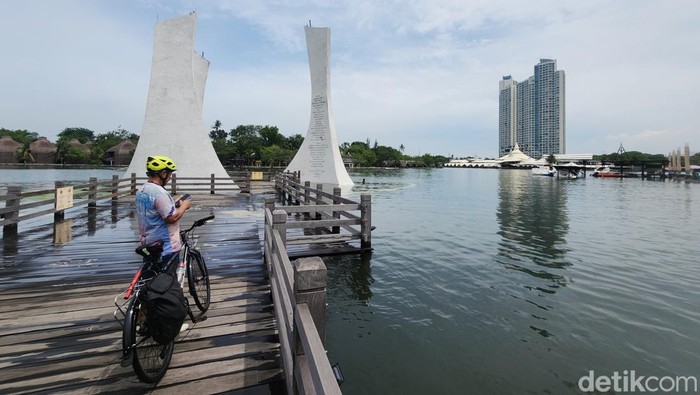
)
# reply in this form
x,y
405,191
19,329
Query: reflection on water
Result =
x,y
533,226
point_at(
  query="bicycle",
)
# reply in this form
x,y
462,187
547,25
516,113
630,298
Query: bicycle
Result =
x,y
150,359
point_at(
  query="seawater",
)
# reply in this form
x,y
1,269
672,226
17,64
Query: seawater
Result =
x,y
37,179
495,281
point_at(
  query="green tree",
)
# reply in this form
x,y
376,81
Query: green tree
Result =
x,y
23,137
216,132
246,144
551,159
295,141
225,151
362,154
105,141
270,135
75,155
694,159
387,156
66,151
81,134
275,155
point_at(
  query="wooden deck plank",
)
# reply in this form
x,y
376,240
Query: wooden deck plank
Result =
x,y
57,333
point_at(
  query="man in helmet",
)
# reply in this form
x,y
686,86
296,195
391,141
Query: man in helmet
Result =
x,y
158,215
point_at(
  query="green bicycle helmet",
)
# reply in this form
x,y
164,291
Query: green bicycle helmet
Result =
x,y
157,163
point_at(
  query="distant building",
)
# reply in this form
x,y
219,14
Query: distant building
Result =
x,y
120,154
42,151
84,148
532,113
10,150
348,162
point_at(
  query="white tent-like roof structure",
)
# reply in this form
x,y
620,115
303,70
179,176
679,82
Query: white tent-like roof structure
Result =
x,y
515,156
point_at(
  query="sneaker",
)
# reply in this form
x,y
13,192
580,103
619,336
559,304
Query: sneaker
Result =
x,y
184,327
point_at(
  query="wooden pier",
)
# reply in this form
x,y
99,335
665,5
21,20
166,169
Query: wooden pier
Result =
x,y
57,332
265,327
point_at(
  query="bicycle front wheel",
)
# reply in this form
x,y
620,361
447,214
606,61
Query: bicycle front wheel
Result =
x,y
198,280
150,359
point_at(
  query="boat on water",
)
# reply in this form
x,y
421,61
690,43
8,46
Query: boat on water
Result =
x,y
606,172
546,171
570,174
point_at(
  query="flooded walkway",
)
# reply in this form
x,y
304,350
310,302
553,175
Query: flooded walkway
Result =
x,y
57,332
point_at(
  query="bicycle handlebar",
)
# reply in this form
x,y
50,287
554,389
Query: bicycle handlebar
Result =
x,y
200,222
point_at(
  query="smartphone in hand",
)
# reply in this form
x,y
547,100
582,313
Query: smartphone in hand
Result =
x,y
186,196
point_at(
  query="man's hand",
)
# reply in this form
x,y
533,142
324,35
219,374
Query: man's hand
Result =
x,y
180,209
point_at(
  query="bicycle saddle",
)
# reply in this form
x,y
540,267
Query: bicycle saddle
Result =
x,y
151,252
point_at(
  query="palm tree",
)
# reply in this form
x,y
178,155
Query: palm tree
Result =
x,y
216,132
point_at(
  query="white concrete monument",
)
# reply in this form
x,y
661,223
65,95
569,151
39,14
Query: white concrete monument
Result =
x,y
173,125
318,158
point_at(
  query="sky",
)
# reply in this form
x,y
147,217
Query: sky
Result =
x,y
422,74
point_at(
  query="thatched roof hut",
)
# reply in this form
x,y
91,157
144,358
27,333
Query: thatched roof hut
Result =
x,y
10,150
120,154
43,151
83,147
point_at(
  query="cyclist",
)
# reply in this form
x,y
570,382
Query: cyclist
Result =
x,y
159,215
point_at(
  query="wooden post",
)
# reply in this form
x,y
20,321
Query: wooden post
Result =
x,y
270,204
288,182
133,183
365,221
310,287
92,221
13,216
279,222
307,198
336,200
115,189
212,185
173,185
283,197
319,199
92,192
297,191
58,216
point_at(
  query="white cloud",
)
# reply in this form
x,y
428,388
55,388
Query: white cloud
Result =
x,y
421,73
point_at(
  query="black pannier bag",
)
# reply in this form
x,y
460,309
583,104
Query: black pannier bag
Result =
x,y
166,307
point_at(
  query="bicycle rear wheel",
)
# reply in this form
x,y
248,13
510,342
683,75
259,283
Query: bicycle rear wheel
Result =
x,y
198,280
150,359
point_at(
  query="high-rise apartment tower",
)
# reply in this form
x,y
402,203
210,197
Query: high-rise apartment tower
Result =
x,y
533,112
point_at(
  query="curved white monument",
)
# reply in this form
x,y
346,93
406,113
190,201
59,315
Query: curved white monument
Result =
x,y
318,158
173,125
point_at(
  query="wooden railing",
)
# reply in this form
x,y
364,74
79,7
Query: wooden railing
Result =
x,y
25,205
299,298
177,185
329,217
